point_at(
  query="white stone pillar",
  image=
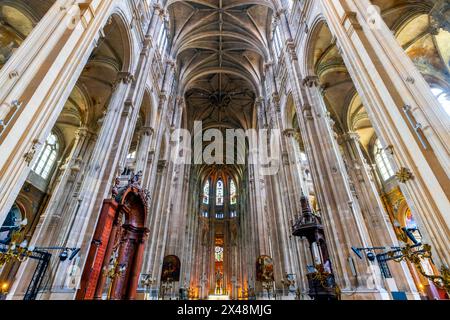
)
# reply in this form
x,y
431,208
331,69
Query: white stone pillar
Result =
x,y
380,228
143,150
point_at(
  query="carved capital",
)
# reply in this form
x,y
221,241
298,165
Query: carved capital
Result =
x,y
124,77
290,133
29,156
148,131
311,81
349,137
404,175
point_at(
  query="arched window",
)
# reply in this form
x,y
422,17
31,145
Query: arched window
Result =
x,y
382,161
219,193
206,193
233,192
443,98
47,158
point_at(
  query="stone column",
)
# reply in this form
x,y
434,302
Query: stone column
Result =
x,y
65,192
397,99
78,234
143,150
378,223
343,221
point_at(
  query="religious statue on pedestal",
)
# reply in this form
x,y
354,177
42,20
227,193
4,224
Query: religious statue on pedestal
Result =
x,y
219,279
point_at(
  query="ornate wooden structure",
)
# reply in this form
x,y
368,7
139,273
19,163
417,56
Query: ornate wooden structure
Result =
x,y
119,240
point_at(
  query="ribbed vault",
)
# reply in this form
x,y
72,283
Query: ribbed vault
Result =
x,y
221,47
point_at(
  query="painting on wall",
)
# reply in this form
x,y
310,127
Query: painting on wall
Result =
x,y
264,269
171,269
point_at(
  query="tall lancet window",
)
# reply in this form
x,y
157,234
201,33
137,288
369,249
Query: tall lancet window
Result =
x,y
233,192
47,158
219,193
206,193
382,161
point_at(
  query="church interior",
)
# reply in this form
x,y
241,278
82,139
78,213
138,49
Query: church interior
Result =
x,y
224,150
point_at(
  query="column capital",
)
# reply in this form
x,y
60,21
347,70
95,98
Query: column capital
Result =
x,y
349,137
290,133
180,100
162,165
162,97
171,63
259,101
82,132
311,81
125,77
148,131
267,65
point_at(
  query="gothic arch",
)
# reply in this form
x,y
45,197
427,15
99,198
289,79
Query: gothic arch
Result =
x,y
126,39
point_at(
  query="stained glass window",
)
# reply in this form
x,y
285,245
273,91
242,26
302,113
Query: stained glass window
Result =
x,y
382,161
219,254
47,158
219,193
220,216
206,193
233,192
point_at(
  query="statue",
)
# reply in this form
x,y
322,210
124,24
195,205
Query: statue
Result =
x,y
219,278
136,179
115,189
234,231
205,232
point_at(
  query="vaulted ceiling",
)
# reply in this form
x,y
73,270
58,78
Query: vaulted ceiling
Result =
x,y
221,47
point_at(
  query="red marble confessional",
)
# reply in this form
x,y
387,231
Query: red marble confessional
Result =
x,y
119,240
